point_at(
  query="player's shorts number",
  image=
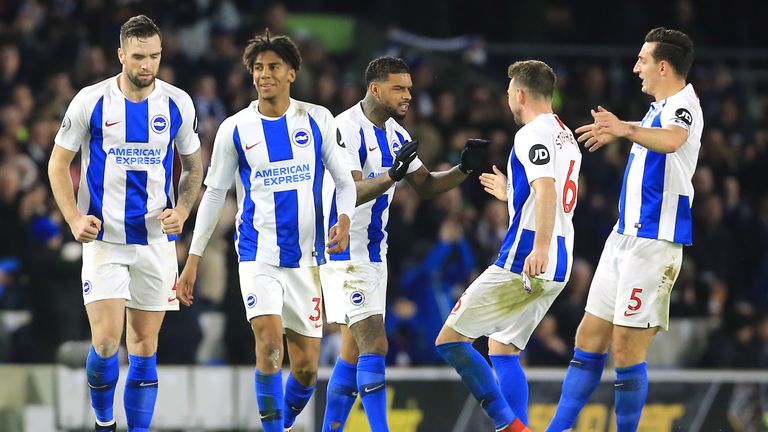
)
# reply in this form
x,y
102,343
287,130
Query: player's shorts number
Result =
x,y
316,314
570,186
634,298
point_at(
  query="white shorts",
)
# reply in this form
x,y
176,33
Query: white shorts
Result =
x,y
144,275
292,293
496,305
633,281
353,291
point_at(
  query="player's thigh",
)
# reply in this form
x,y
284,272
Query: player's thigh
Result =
x,y
601,300
520,326
594,334
153,278
648,270
302,301
106,318
630,345
364,292
496,300
332,276
105,272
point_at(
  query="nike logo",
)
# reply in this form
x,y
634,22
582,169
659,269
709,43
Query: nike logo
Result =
x,y
147,384
248,147
372,389
318,325
268,416
101,387
354,394
371,148
627,314
172,299
108,124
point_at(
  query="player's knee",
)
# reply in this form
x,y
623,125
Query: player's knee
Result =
x,y
106,347
624,355
306,375
378,345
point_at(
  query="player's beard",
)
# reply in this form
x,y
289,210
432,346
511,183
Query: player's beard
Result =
x,y
392,111
138,82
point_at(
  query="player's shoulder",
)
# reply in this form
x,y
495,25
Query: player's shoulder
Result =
x,y
687,96
397,128
535,130
89,95
317,112
179,96
349,117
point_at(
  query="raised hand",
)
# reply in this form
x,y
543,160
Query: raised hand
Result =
x,y
473,157
495,183
404,157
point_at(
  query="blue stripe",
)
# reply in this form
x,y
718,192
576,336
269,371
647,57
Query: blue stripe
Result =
x,y
520,192
562,260
524,248
317,191
363,151
277,139
287,227
137,121
683,225
332,219
400,137
96,163
246,233
652,192
375,228
623,196
136,196
386,154
176,121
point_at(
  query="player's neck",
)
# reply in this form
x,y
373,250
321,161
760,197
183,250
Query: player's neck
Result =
x,y
669,89
131,91
373,112
274,107
531,112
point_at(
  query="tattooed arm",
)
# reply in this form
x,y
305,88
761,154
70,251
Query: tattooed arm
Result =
x,y
172,220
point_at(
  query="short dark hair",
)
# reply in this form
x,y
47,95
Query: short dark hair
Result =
x,y
380,68
534,75
672,46
283,46
140,26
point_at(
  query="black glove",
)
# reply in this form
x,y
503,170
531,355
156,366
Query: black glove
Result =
x,y
473,156
404,157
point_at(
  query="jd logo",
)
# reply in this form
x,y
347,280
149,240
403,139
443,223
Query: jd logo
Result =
x,y
684,115
538,155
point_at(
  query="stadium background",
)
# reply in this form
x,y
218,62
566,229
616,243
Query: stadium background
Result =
x,y
458,52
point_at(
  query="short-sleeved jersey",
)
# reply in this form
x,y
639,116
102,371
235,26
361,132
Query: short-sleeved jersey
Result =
x,y
278,165
657,193
127,156
371,151
545,147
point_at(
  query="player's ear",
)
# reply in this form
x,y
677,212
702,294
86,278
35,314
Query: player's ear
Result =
x,y
292,75
121,55
520,93
373,87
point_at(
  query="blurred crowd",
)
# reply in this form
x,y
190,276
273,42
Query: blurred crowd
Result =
x,y
50,50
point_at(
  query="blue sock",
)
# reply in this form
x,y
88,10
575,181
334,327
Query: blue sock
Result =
x,y
341,395
581,380
102,378
269,395
373,390
631,388
140,392
296,398
513,384
478,377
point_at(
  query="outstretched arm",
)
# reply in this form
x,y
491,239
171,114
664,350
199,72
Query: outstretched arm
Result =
x,y
608,128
